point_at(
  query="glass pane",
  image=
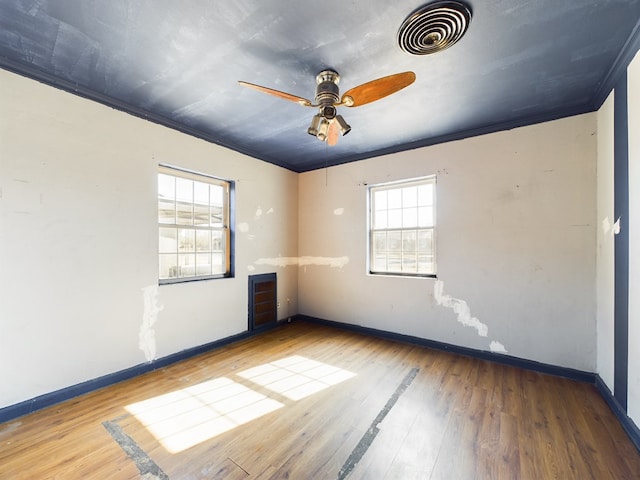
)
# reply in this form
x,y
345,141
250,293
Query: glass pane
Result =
x,y
203,264
217,263
166,186
410,264
425,264
203,241
186,265
379,263
168,265
394,219
217,240
217,194
410,217
380,219
394,242
409,197
201,193
184,213
201,214
425,194
394,263
425,217
425,241
166,211
168,242
216,216
184,190
394,198
409,242
380,241
380,200
186,240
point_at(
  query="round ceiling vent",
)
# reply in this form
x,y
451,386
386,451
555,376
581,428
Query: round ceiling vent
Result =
x,y
434,27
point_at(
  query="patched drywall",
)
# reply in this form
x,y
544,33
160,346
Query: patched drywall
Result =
x,y
79,294
516,231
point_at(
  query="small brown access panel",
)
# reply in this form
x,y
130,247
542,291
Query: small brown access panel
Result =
x,y
262,301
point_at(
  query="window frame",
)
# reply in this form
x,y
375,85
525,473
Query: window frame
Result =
x,y
371,230
227,221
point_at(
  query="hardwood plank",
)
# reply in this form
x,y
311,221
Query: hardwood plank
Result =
x,y
459,418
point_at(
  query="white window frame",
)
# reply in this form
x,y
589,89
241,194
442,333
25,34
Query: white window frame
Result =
x,y
407,220
201,229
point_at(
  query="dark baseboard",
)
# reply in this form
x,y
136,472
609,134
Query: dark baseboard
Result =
x,y
570,373
48,399
627,424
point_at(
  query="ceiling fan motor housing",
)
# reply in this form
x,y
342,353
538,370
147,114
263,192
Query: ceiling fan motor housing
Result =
x,y
327,93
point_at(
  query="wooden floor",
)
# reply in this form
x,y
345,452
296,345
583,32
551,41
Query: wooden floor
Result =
x,y
311,402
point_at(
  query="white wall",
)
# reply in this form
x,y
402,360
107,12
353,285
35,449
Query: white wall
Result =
x,y
633,87
78,240
605,239
516,241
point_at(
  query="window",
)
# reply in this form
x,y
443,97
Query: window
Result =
x,y
402,228
193,226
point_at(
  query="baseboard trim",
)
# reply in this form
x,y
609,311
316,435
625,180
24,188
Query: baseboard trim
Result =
x,y
627,424
569,373
48,399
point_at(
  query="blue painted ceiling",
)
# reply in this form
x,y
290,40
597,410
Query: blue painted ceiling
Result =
x,y
178,63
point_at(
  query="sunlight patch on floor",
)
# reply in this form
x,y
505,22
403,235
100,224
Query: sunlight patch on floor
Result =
x,y
187,417
296,377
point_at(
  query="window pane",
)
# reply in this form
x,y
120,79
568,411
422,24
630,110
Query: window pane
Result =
x,y
380,241
425,217
217,240
380,200
217,263
184,190
166,186
184,213
394,263
186,265
203,241
425,241
201,214
379,263
201,193
425,264
394,219
380,219
425,194
394,242
409,197
409,242
168,240
186,240
203,264
409,264
394,198
166,211
168,266
217,195
410,217
216,216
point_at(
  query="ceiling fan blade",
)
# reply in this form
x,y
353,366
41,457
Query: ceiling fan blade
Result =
x,y
287,96
334,133
377,89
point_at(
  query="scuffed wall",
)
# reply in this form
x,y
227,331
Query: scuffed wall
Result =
x,y
79,294
516,230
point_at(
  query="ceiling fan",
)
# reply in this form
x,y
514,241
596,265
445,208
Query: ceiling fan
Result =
x,y
327,125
